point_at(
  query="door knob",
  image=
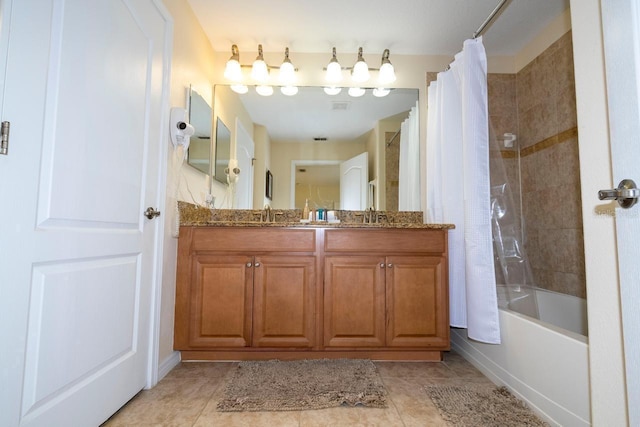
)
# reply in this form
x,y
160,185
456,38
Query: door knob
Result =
x,y
626,194
151,213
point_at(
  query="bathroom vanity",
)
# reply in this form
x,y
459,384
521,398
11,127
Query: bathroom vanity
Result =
x,y
251,290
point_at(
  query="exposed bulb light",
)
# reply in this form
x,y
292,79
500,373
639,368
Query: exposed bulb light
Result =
x,y
289,90
380,92
264,90
360,72
356,91
387,73
334,70
232,70
241,89
260,70
332,90
287,73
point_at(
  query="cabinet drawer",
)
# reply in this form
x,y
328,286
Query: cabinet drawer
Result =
x,y
399,241
232,239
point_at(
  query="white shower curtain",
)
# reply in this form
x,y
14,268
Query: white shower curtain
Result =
x,y
458,189
409,165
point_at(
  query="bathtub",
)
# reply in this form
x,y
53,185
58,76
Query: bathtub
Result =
x,y
543,361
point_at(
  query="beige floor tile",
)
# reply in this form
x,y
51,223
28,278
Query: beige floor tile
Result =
x,y
415,370
188,396
352,417
201,370
412,403
173,402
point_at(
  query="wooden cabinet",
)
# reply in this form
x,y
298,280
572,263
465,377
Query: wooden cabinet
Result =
x,y
271,292
245,288
391,299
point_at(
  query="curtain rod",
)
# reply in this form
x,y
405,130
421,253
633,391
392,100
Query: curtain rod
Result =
x,y
393,137
486,22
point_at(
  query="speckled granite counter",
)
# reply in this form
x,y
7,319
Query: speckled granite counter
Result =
x,y
193,215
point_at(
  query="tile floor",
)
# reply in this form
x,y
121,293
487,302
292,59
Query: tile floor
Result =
x,y
188,395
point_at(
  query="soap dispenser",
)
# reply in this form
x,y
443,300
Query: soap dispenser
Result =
x,y
305,211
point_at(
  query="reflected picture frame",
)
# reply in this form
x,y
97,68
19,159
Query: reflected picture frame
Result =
x,y
269,186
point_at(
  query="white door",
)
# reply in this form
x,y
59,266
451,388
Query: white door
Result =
x,y
621,29
245,148
354,181
85,94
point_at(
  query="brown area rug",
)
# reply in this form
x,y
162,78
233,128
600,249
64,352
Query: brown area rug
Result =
x,y
275,385
468,406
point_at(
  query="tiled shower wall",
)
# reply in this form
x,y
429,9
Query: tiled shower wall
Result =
x,y
538,104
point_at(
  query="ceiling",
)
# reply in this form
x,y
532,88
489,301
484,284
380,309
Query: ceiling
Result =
x,y
407,27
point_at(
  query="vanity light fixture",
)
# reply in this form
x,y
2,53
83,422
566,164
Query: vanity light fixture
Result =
x,y
260,70
332,90
380,92
334,70
264,90
360,72
387,73
232,70
356,91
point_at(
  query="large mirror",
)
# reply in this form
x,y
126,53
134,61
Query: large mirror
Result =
x,y
303,139
200,116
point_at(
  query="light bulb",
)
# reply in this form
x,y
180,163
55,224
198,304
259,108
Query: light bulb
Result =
x,y
387,74
264,90
287,73
260,70
334,70
356,91
289,90
241,89
360,72
232,71
332,90
380,92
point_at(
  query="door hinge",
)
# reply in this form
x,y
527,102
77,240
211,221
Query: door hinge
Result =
x,y
4,142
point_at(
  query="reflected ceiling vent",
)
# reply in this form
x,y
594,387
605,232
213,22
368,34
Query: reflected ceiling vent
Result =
x,y
340,105
320,138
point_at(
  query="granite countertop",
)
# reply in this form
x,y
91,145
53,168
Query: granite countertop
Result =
x,y
197,216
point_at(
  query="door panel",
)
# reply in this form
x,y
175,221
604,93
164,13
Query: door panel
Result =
x,y
283,314
354,182
416,302
621,21
221,301
354,301
85,94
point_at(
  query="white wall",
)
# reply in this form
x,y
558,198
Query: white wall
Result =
x,y
192,64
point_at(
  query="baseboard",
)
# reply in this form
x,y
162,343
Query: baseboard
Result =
x,y
168,364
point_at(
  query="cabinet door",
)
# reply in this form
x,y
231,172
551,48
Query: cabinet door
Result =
x,y
284,301
354,301
221,299
417,302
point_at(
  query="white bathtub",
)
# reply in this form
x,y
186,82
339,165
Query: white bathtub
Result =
x,y
544,364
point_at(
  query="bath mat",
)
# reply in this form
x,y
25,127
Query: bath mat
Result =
x,y
468,406
276,385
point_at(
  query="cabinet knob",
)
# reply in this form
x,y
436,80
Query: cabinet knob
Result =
x,y
390,265
248,264
257,264
382,265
